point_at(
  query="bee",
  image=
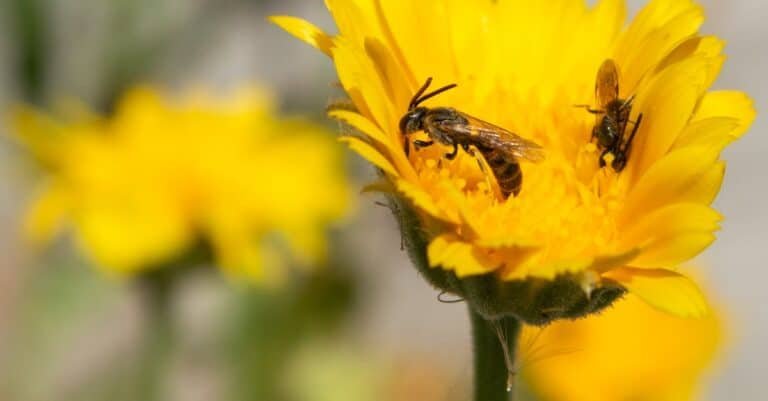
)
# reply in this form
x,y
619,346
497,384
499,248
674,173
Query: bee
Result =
x,y
448,126
612,117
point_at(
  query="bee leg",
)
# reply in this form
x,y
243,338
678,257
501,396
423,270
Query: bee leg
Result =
x,y
602,157
471,151
452,155
490,179
406,146
631,138
418,144
589,108
623,154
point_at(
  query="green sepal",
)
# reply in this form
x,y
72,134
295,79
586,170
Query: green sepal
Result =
x,y
415,242
532,301
537,301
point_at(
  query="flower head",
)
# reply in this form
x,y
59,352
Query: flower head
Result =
x,y
523,66
161,175
630,352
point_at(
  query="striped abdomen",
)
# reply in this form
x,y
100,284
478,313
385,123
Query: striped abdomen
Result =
x,y
506,169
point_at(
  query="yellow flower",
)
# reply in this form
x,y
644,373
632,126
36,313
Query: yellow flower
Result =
x,y
161,176
630,352
523,65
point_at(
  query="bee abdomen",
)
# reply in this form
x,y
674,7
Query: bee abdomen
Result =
x,y
510,179
495,159
507,172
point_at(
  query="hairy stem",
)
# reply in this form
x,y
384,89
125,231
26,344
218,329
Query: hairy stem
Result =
x,y
494,344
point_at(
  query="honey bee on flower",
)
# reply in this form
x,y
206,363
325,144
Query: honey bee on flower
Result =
x,y
583,232
613,116
499,148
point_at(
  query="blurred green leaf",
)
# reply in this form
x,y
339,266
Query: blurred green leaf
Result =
x,y
269,325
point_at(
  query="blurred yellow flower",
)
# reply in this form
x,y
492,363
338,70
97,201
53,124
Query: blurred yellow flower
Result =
x,y
523,65
162,175
630,352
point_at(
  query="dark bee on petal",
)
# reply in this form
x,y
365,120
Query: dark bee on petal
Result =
x,y
613,116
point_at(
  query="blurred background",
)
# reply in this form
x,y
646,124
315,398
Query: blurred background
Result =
x,y
367,324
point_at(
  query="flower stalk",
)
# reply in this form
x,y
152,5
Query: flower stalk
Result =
x,y
157,294
31,32
494,344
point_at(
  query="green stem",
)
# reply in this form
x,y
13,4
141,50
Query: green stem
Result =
x,y
158,337
29,18
491,371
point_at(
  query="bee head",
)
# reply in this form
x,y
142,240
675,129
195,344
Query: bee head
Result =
x,y
412,121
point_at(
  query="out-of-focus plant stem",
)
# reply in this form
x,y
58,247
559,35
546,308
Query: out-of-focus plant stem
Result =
x,y
30,24
491,373
157,344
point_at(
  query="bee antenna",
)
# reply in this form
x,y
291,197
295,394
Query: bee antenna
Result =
x,y
434,93
415,99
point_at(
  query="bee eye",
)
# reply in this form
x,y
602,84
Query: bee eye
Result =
x,y
404,122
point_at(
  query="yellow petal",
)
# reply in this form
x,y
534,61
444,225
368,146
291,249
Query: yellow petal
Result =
x,y
379,186
629,352
608,262
308,243
390,72
537,265
657,30
691,174
38,133
733,104
127,240
360,80
714,132
663,289
674,250
392,148
365,126
46,215
355,19
671,235
667,106
709,46
450,253
305,32
240,257
423,201
418,41
370,153
608,18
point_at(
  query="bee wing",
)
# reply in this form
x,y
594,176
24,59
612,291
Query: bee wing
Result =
x,y
492,136
607,83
